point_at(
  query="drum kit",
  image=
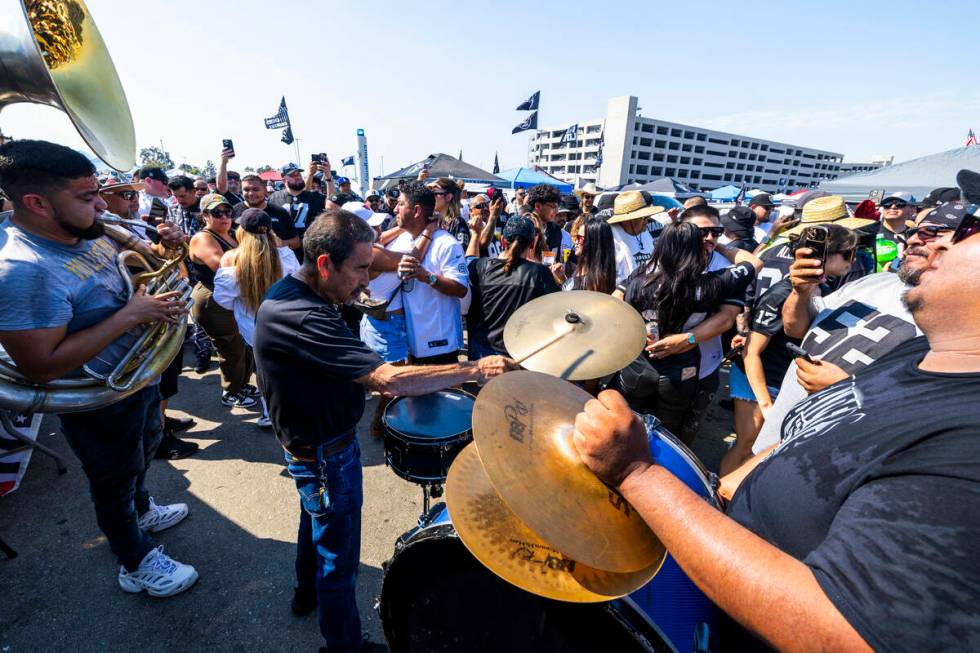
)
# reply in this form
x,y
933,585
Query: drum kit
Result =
x,y
521,505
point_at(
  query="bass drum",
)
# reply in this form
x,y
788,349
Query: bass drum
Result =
x,y
436,597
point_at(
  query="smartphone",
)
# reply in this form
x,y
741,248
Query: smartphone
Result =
x,y
815,238
321,157
226,144
799,352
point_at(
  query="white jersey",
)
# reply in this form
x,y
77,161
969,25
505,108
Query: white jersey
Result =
x,y
434,320
384,285
631,251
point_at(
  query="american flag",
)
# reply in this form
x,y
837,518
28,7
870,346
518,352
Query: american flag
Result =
x,y
281,119
971,139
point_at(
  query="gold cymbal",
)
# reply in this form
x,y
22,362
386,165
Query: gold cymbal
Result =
x,y
522,427
508,548
603,334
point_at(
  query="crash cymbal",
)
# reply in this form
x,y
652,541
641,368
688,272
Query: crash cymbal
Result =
x,y
508,548
522,427
599,334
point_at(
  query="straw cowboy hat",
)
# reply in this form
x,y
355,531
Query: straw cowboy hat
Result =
x,y
588,189
631,205
827,210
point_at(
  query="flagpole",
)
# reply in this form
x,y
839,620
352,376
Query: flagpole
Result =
x,y
299,160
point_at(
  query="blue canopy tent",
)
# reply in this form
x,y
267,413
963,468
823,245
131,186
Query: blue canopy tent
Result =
x,y
527,177
725,193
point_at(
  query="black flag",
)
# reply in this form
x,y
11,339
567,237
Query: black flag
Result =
x,y
460,157
531,104
287,136
281,119
570,135
531,122
348,161
496,164
598,155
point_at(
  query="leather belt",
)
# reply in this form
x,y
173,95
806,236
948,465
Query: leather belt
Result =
x,y
335,446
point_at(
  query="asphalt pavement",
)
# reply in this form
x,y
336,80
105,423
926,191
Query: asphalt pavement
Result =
x,y
61,593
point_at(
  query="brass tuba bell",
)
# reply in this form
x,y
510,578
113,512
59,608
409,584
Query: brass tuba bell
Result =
x,y
52,53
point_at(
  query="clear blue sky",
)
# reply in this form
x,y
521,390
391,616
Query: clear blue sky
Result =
x,y
861,78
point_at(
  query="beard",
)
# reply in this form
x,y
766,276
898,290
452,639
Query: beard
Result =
x,y
93,231
907,275
915,303
296,185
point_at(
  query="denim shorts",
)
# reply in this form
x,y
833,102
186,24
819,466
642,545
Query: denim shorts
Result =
x,y
387,338
740,388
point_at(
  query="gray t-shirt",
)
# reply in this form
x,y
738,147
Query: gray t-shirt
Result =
x,y
855,326
47,284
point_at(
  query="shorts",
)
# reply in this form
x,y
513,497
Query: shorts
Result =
x,y
387,338
740,389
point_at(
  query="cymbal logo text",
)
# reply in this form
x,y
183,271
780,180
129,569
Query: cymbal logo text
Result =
x,y
514,412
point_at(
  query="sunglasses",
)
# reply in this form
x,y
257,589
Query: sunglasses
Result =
x,y
927,233
848,255
478,207
220,213
714,231
894,205
969,226
125,194
439,192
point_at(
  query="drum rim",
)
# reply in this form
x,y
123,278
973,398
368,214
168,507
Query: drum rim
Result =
x,y
414,438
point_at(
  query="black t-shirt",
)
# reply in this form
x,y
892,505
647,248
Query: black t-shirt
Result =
x,y
496,295
777,259
282,226
768,320
900,237
233,198
302,208
731,284
876,488
306,360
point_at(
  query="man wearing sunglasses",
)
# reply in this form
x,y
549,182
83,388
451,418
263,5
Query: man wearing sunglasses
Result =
x,y
859,323
122,199
896,211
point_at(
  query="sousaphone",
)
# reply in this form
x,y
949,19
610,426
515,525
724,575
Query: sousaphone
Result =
x,y
52,53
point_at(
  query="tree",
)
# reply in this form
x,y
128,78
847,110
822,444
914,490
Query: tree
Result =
x,y
189,169
209,170
265,168
249,169
156,156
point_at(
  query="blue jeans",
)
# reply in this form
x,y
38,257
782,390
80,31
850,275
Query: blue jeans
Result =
x,y
115,445
387,338
328,545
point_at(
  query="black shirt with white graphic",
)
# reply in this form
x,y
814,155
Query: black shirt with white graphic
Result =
x,y
282,226
459,230
730,284
768,320
876,488
302,208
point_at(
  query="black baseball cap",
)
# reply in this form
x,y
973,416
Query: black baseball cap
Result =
x,y
519,228
939,195
255,221
947,214
762,199
568,204
153,172
739,221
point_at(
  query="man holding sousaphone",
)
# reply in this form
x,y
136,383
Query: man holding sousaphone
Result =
x,y
65,305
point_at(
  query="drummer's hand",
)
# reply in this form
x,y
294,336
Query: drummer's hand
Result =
x,y
491,366
611,439
669,346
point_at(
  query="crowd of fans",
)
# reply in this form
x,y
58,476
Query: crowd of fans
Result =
x,y
736,290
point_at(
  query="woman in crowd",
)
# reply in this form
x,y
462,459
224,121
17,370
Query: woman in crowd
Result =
x,y
499,286
248,271
674,294
206,249
596,255
448,207
755,380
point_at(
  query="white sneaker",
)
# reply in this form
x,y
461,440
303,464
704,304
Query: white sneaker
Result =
x,y
264,422
158,574
157,518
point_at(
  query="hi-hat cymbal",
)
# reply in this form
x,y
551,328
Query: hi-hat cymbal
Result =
x,y
603,334
508,548
522,427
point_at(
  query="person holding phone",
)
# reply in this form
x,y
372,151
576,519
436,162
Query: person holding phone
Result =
x,y
755,383
228,184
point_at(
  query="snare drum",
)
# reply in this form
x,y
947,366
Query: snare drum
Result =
x,y
424,434
431,569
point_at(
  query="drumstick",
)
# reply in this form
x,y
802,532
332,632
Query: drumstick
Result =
x,y
547,344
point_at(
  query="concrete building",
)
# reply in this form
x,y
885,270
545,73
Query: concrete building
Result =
x,y
875,163
641,149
